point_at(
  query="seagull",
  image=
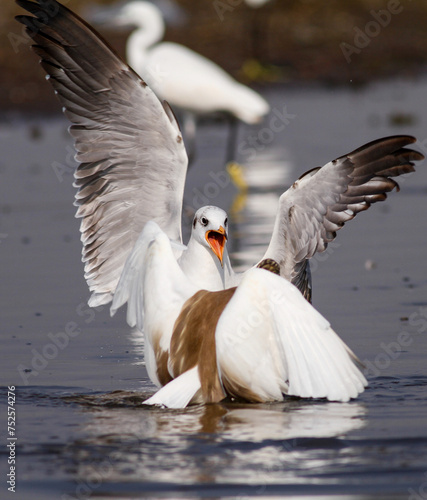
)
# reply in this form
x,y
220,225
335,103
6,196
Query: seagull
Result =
x,y
182,77
256,330
257,342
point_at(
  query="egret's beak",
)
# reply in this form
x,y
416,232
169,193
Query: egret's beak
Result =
x,y
216,240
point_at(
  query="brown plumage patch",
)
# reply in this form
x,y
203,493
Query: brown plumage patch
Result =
x,y
193,340
269,265
238,391
162,358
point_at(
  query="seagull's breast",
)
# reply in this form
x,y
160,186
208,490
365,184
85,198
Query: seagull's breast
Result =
x,y
202,267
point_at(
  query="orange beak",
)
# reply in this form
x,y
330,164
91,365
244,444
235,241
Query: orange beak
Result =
x,y
216,240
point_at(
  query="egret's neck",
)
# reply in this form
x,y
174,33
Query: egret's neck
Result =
x,y
203,268
142,38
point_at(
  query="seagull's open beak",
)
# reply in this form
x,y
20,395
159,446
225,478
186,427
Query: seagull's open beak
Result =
x,y
216,240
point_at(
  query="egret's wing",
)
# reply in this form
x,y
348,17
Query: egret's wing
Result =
x,y
133,159
270,341
323,199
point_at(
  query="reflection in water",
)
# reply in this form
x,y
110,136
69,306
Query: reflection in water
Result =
x,y
268,175
136,338
321,420
291,419
267,443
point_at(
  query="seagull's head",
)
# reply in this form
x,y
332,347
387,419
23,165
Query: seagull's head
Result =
x,y
210,229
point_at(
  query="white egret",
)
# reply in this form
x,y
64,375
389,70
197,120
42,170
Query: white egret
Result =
x,y
182,77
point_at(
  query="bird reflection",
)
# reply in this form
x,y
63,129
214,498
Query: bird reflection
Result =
x,y
293,418
247,445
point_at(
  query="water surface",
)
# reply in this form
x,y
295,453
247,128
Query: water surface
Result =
x,y
81,429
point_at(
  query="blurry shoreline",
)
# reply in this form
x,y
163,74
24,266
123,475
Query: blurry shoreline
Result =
x,y
292,42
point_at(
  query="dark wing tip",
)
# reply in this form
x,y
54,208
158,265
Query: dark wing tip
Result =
x,y
386,157
20,18
32,24
409,154
51,15
30,6
392,142
43,12
379,147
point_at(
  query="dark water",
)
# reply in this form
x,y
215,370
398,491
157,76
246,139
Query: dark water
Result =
x,y
107,443
79,374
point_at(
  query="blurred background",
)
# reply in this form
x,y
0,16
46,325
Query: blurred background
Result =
x,y
336,74
282,41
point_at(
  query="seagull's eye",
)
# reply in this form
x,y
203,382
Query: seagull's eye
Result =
x,y
204,221
226,221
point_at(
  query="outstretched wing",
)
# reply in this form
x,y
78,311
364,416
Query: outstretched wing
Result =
x,y
270,341
133,160
323,199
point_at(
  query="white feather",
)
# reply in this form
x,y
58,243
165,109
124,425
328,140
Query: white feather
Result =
x,y
179,392
271,340
181,76
155,289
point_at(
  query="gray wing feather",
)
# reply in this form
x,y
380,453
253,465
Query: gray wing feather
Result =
x,y
323,199
133,160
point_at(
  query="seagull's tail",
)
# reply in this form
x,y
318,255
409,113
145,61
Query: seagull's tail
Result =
x,y
179,392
